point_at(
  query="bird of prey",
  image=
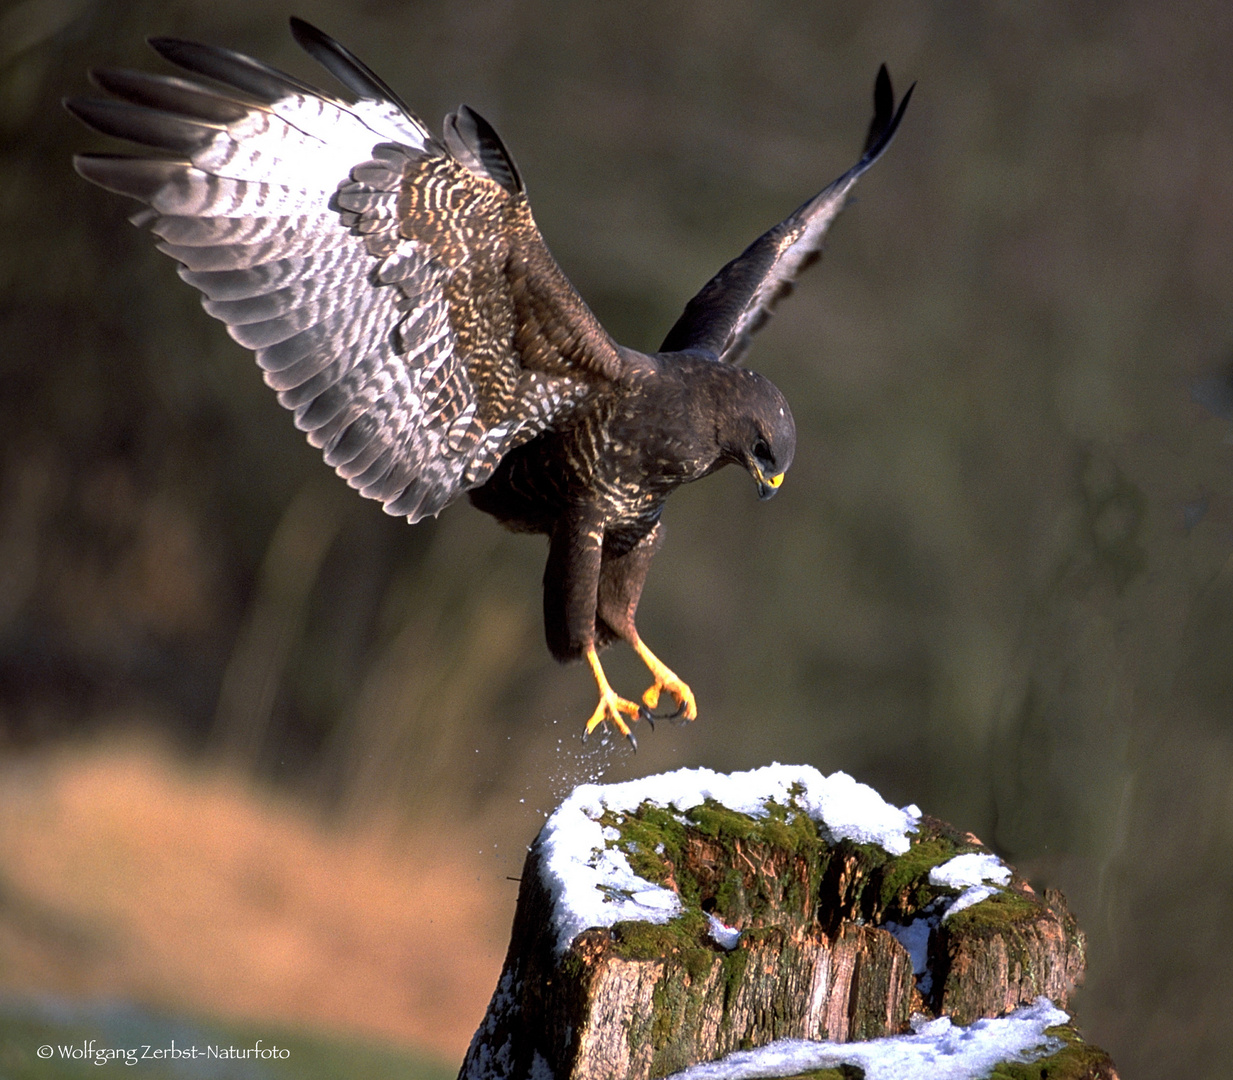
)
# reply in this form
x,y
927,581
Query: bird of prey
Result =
x,y
402,302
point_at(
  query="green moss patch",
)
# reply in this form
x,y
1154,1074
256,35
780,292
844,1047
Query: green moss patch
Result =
x,y
997,915
904,885
1077,1060
653,941
780,870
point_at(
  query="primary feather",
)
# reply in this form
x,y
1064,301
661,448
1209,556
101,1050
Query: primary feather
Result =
x,y
737,301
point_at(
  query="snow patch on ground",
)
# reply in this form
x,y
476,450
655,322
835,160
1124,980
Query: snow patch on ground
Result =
x,y
914,937
487,1064
971,896
935,1050
594,885
971,869
971,873
727,937
540,1069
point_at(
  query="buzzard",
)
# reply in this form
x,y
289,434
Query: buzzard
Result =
x,y
401,301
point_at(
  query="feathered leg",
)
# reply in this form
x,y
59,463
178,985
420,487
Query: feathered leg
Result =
x,y
571,583
621,578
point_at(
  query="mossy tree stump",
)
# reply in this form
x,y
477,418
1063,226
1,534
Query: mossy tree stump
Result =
x,y
816,957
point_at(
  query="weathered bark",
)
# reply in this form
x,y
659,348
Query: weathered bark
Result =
x,y
814,960
996,956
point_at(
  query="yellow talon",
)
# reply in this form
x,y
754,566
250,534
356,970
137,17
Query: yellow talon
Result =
x,y
666,679
611,705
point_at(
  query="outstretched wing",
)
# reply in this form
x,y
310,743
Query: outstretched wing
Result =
x,y
737,301
394,287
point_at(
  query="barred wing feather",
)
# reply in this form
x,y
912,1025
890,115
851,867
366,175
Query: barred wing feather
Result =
x,y
377,273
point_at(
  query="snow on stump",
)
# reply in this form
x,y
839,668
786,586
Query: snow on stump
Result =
x,y
680,918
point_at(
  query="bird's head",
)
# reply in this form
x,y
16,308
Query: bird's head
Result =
x,y
762,434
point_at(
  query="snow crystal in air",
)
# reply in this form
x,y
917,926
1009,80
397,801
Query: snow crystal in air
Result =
x,y
592,884
935,1050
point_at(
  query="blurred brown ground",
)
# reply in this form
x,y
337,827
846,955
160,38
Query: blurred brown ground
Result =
x,y
997,582
129,875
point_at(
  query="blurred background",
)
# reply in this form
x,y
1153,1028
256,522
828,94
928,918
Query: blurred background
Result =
x,y
270,756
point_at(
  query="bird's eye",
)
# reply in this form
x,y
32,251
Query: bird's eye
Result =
x,y
762,452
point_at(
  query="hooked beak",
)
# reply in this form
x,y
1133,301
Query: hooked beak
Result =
x,y
767,485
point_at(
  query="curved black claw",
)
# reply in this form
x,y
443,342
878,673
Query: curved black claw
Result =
x,y
629,734
645,714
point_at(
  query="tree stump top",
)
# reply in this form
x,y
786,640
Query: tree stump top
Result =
x,y
673,920
612,852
